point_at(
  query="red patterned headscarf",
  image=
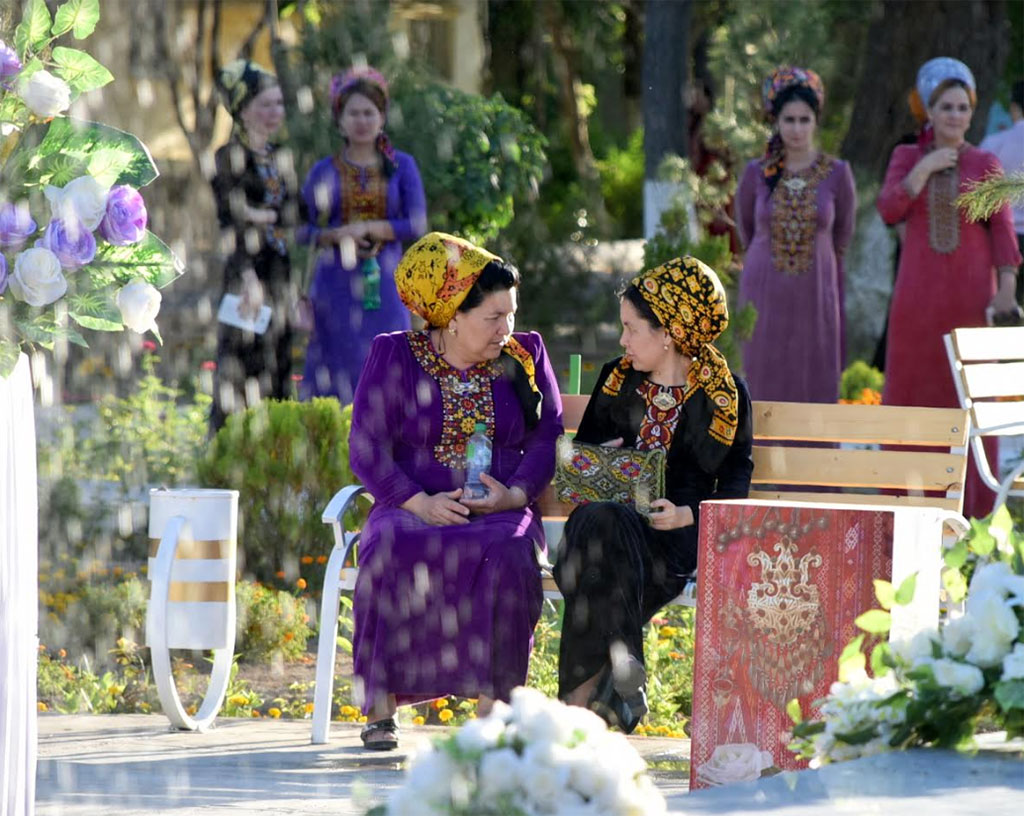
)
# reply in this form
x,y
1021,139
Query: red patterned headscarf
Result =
x,y
778,81
342,85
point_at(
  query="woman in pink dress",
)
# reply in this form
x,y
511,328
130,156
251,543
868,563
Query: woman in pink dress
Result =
x,y
951,270
795,212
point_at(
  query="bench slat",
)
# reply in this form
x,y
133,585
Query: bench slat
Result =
x,y
1003,418
881,424
984,380
990,343
945,502
835,467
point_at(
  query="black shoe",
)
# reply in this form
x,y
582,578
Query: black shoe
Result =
x,y
384,735
620,698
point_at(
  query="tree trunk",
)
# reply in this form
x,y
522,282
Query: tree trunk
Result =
x,y
900,40
665,72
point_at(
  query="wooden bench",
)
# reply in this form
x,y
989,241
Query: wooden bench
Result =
x,y
863,454
988,370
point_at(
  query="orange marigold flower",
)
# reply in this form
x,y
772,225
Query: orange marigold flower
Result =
x,y
301,583
289,636
308,708
274,712
445,715
279,573
441,703
41,706
62,653
306,559
418,720
321,559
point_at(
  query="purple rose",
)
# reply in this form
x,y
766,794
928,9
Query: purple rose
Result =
x,y
125,221
3,274
70,241
9,62
16,224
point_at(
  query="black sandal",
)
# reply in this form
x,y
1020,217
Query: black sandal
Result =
x,y
620,698
387,729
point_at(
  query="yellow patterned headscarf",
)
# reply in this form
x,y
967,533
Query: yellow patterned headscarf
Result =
x,y
689,300
436,273
241,81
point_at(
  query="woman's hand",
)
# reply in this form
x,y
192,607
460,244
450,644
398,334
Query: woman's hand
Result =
x,y
260,215
252,296
612,443
440,509
498,498
1004,302
935,161
667,516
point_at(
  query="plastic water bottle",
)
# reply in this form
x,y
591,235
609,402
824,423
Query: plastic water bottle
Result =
x,y
371,283
478,460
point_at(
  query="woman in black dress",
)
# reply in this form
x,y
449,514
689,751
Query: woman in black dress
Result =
x,y
616,567
253,185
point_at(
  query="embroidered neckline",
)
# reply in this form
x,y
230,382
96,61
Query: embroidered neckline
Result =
x,y
794,219
663,406
466,398
943,215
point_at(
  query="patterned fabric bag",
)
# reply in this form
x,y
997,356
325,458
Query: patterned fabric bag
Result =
x,y
590,473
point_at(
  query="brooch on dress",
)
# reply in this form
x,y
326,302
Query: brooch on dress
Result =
x,y
664,400
461,387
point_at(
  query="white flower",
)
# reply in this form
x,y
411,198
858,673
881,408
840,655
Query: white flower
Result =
x,y
999,579
915,649
734,762
499,772
45,95
139,303
83,197
544,772
1013,664
431,776
961,677
996,627
480,734
957,636
37,278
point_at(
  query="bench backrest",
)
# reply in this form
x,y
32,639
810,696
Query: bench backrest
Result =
x,y
988,369
809,451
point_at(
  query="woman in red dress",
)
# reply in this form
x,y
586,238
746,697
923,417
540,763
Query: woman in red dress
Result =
x,y
951,270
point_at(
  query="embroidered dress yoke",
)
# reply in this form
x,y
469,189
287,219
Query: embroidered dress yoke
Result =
x,y
446,610
795,238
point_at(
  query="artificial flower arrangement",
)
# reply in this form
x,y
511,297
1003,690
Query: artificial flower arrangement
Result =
x,y
75,252
934,688
535,756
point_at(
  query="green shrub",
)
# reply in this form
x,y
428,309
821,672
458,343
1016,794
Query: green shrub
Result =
x,y
271,624
286,459
622,185
858,376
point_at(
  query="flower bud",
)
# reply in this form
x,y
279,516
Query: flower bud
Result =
x,y
139,303
45,95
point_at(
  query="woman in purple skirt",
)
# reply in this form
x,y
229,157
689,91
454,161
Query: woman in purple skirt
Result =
x,y
795,211
362,204
449,587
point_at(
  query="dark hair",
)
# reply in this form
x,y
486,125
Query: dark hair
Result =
x,y
952,82
632,295
497,276
363,87
796,92
1017,93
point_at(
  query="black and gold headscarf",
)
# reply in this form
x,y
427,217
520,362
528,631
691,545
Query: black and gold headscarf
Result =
x,y
689,300
241,81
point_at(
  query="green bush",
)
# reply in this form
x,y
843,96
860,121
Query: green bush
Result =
x,y
858,376
272,623
286,459
622,185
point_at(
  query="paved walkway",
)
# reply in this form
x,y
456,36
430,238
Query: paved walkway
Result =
x,y
130,765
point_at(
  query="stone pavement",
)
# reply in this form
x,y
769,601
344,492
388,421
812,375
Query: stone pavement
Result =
x,y
133,764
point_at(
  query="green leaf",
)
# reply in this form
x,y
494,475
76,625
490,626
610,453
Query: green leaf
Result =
x,y
884,592
1010,694
905,594
794,712
956,556
80,70
981,540
78,16
95,310
859,737
874,621
852,660
34,30
150,259
881,659
955,584
9,352
120,157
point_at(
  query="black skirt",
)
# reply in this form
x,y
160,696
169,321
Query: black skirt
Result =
x,y
615,572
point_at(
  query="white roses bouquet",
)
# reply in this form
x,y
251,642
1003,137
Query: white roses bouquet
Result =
x,y
74,249
536,756
933,688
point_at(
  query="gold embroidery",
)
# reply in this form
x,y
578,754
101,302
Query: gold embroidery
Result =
x,y
943,215
795,217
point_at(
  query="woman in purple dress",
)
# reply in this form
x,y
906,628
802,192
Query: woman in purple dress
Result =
x,y
449,588
362,204
795,211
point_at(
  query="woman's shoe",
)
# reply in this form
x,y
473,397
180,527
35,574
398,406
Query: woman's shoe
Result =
x,y
619,697
381,735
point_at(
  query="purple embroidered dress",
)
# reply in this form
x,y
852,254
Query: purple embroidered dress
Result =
x,y
446,610
336,192
793,275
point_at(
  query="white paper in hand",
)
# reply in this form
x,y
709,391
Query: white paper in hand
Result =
x,y
228,313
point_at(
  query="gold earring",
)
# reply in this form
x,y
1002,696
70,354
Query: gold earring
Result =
x,y
451,329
